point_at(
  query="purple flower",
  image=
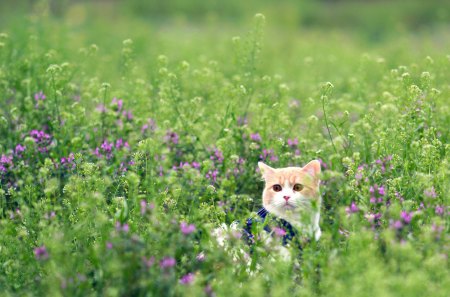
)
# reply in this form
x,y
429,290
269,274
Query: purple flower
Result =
x,y
150,125
431,193
180,166
17,213
167,262
255,137
42,139
217,156
399,196
323,164
439,210
41,253
268,154
187,229
118,103
437,229
377,189
124,228
352,208
187,279
241,121
39,96
279,231
195,165
171,138
373,218
100,108
5,163
69,162
19,150
127,114
143,207
212,175
50,215
106,149
292,142
406,217
120,144
109,245
397,225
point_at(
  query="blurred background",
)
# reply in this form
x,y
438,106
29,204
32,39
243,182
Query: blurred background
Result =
x,y
304,41
372,19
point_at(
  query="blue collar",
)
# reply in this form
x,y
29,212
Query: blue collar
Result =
x,y
262,214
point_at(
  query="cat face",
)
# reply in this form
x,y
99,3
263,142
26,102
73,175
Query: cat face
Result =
x,y
292,193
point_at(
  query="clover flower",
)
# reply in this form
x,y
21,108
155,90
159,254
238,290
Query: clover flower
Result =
x,y
353,208
187,279
146,206
268,154
431,192
122,227
292,142
19,150
150,125
397,225
6,162
406,217
42,139
212,175
117,103
171,138
41,253
187,229
255,137
217,156
39,97
69,162
439,210
167,262
105,149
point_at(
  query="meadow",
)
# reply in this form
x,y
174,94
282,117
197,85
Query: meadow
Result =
x,y
126,140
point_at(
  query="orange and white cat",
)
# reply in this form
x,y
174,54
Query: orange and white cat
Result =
x,y
292,194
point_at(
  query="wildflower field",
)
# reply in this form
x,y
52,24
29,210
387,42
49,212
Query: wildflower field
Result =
x,y
127,138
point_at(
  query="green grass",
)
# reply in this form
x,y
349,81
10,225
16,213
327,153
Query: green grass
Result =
x,y
94,189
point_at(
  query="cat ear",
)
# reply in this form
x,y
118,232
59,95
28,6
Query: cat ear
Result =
x,y
313,168
265,169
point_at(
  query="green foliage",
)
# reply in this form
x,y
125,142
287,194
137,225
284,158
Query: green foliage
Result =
x,y
125,144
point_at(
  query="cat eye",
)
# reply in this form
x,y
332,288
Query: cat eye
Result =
x,y
277,188
298,187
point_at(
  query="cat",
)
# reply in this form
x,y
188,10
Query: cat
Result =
x,y
292,194
292,198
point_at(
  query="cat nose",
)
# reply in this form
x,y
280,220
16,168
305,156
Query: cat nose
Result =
x,y
286,198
